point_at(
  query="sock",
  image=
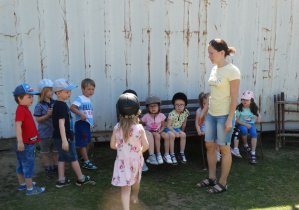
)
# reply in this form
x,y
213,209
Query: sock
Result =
x,y
158,154
171,154
81,179
245,145
253,152
30,188
87,161
62,180
166,153
236,148
47,168
23,184
181,153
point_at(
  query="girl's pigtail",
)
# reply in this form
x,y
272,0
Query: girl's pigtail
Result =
x,y
253,107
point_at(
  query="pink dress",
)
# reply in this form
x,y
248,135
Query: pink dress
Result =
x,y
129,159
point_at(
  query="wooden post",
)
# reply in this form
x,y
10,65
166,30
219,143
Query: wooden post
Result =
x,y
278,119
276,126
282,119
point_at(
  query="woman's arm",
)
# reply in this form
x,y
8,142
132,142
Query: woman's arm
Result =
x,y
234,89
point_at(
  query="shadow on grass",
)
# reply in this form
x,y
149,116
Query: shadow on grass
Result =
x,y
272,183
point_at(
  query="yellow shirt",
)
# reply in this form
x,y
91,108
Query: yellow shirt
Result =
x,y
219,83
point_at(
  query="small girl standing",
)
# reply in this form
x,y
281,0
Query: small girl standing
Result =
x,y
43,116
245,118
130,141
155,123
176,124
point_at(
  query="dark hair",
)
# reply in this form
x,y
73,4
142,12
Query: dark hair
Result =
x,y
21,97
253,107
87,82
201,97
220,44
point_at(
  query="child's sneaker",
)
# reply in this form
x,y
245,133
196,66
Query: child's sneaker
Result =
x,y
49,173
167,159
218,156
160,159
253,159
235,152
247,149
60,184
182,158
173,159
24,187
152,159
89,165
81,182
35,190
55,170
144,167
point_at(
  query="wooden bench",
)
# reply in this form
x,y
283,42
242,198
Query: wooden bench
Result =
x,y
190,129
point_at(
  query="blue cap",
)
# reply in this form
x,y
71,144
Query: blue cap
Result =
x,y
62,84
24,88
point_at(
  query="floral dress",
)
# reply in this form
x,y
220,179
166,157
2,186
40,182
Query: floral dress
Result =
x,y
129,159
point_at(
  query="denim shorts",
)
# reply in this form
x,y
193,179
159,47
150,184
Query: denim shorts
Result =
x,y
214,129
26,160
47,145
70,156
176,129
244,130
82,133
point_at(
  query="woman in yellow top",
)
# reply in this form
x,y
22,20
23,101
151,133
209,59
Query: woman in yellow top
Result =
x,y
224,85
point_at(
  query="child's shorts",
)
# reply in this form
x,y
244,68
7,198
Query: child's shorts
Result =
x,y
26,160
82,133
47,145
214,130
69,156
176,129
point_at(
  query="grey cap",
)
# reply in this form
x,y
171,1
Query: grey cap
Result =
x,y
62,84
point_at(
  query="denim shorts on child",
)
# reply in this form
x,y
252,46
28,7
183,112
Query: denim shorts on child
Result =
x,y
82,133
47,145
214,129
26,160
176,129
244,130
70,156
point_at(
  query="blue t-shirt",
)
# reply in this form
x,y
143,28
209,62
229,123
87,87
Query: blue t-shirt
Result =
x,y
84,105
45,128
246,116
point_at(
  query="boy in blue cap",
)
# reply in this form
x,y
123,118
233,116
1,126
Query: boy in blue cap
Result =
x,y
27,136
63,135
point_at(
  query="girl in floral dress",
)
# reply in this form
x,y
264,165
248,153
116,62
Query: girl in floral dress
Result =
x,y
130,141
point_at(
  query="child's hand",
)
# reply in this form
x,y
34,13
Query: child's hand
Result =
x,y
259,119
83,117
248,126
200,133
65,146
21,147
49,112
177,135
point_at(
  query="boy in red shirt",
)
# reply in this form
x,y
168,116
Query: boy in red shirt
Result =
x,y
27,135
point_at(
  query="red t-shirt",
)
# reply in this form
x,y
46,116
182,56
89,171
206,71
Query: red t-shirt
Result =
x,y
29,131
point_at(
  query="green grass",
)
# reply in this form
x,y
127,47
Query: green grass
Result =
x,y
270,184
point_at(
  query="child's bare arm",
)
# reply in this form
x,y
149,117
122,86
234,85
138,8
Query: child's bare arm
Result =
x,y
259,118
144,141
162,127
113,140
169,122
184,124
199,132
19,136
248,126
74,109
65,144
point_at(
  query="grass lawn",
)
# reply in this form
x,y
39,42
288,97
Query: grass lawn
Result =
x,y
273,183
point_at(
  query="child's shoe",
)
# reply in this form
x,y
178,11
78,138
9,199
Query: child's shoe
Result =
x,y
160,159
253,159
35,190
173,159
218,156
81,182
55,170
49,173
167,159
60,184
24,187
247,149
152,159
182,158
235,152
89,165
144,167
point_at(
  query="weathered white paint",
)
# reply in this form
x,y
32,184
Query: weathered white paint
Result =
x,y
151,46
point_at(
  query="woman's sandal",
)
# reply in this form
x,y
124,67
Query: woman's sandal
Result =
x,y
215,190
204,184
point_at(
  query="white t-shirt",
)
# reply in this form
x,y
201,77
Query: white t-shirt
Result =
x,y
84,105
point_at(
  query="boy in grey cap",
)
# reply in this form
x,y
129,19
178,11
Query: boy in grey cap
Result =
x,y
63,135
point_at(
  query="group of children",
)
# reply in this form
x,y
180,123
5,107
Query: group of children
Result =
x,y
55,131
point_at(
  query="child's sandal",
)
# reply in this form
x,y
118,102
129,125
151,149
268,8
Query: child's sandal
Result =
x,y
204,184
